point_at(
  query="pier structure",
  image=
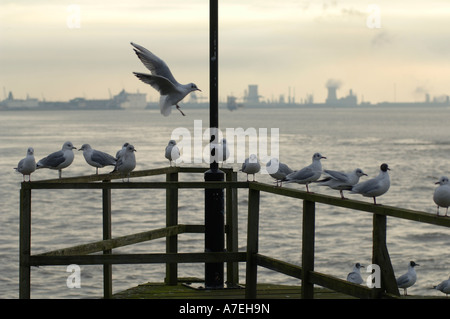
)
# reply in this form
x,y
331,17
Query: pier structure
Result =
x,y
87,254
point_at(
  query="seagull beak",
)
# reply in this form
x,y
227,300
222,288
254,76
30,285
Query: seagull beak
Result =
x,y
323,157
199,89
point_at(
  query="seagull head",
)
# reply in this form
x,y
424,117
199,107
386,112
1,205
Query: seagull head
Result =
x,y
443,180
359,172
193,87
130,148
318,156
84,147
68,146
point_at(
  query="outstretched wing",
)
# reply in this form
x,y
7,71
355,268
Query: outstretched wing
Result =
x,y
153,63
159,83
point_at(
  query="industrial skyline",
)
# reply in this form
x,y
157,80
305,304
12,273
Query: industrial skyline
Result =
x,y
251,97
390,51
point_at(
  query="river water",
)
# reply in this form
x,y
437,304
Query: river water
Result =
x,y
414,142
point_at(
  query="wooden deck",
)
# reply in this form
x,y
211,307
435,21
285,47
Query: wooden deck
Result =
x,y
191,289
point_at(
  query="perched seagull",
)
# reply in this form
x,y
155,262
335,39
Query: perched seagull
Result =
x,y
307,174
58,160
127,162
376,186
341,181
251,166
407,280
162,80
355,275
96,158
27,165
278,170
444,287
172,153
120,152
442,194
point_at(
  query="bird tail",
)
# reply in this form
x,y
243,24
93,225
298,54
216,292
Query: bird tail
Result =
x,y
165,106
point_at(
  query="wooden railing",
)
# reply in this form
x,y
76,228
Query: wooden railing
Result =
x,y
82,254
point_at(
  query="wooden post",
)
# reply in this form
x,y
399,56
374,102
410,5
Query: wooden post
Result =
x,y
232,229
380,257
308,248
107,268
25,244
171,220
252,243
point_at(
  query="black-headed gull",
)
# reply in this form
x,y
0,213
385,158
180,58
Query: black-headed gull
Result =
x,y
96,158
58,160
444,287
172,153
407,280
376,186
120,152
341,181
251,166
278,170
307,174
355,275
441,194
27,165
162,80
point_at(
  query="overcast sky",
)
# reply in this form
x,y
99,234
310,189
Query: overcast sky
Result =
x,y
394,50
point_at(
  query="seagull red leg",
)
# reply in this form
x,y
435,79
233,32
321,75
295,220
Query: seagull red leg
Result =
x,y
178,108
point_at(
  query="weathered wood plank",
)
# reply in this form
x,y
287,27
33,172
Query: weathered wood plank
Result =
x,y
419,216
342,286
135,185
120,241
279,266
41,260
171,220
308,233
252,243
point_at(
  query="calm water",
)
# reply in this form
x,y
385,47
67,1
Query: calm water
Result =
x,y
414,142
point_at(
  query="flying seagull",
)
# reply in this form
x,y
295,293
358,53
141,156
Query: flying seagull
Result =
x,y
162,80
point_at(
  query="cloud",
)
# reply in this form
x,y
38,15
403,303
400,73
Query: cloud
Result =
x,y
333,83
381,39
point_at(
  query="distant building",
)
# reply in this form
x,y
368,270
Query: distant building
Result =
x,y
332,100
252,95
130,100
123,100
12,103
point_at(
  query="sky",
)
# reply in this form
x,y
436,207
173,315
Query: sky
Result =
x,y
381,50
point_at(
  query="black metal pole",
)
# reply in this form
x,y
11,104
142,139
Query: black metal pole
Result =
x,y
214,198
